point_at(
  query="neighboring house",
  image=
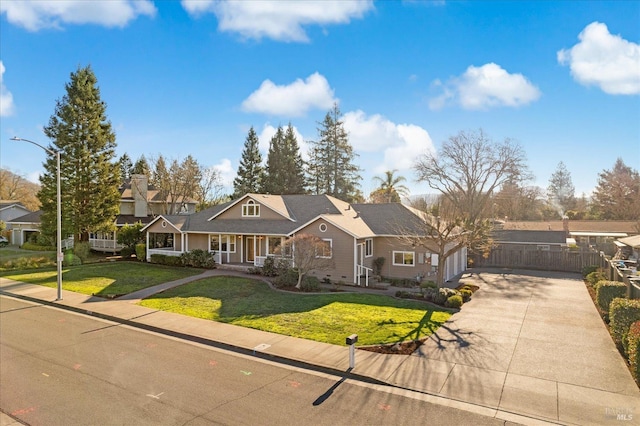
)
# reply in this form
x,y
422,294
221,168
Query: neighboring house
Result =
x,y
628,248
139,202
24,226
588,234
247,230
9,210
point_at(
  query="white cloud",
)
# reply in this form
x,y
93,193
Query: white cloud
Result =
x,y
399,144
227,173
277,20
6,98
484,87
605,60
35,15
291,100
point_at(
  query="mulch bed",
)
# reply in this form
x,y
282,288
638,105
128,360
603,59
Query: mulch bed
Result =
x,y
402,348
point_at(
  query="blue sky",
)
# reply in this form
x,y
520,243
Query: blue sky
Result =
x,y
560,78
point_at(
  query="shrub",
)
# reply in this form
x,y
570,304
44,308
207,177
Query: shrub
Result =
x,y
454,301
443,295
126,252
71,259
310,284
428,284
37,247
403,294
269,267
31,262
606,291
141,252
163,259
633,339
623,313
430,293
589,269
466,294
81,249
594,277
198,258
289,278
378,262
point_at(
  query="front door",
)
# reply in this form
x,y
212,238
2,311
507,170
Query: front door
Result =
x,y
250,255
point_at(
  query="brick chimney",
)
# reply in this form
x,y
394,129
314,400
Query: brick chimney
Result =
x,y
139,193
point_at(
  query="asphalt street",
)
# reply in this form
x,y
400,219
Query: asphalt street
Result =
x,y
62,368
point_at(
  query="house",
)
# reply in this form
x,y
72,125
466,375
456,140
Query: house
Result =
x,y
23,227
247,230
139,202
598,235
10,210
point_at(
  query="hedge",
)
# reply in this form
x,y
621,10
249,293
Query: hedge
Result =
x,y
623,313
141,252
163,259
633,339
606,291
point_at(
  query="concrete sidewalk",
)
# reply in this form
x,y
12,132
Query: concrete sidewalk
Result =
x,y
528,348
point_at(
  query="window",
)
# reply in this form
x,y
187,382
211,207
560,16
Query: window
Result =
x,y
323,227
160,240
368,247
226,244
273,245
251,209
324,249
404,258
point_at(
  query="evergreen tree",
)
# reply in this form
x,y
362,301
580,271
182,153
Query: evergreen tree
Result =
x,y
617,195
561,192
126,166
293,164
274,171
285,167
90,178
251,174
141,167
332,170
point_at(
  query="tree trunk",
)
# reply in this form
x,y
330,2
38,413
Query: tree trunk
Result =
x,y
299,285
440,272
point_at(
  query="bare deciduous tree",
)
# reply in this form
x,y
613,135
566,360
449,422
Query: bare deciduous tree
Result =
x,y
466,172
310,253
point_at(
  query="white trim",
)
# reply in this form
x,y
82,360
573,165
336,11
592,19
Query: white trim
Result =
x,y
255,206
393,258
330,241
368,241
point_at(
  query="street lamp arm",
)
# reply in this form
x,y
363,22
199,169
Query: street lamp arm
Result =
x,y
15,138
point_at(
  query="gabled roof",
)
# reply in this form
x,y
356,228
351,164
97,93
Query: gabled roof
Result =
x,y
633,241
31,217
390,218
6,204
299,210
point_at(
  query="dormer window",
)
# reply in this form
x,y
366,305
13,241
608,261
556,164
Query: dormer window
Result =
x,y
251,209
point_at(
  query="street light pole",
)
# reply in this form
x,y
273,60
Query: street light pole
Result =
x,y
59,255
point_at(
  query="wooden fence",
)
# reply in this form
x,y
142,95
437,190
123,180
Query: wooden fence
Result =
x,y
527,257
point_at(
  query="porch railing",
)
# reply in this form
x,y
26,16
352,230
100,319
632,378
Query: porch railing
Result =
x,y
168,251
100,244
364,272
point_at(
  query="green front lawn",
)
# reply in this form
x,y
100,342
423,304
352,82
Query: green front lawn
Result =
x,y
328,317
104,279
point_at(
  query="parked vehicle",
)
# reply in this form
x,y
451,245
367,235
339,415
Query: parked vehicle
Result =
x,y
3,241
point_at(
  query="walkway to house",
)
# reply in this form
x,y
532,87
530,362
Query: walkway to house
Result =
x,y
529,348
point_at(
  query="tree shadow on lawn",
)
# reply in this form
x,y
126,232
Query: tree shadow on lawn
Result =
x,y
238,297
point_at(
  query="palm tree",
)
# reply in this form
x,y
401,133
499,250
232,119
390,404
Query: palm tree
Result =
x,y
390,189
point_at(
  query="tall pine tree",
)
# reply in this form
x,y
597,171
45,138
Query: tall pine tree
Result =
x,y
331,166
285,167
90,175
251,174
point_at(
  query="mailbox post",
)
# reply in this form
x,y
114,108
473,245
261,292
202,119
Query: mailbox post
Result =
x,y
351,341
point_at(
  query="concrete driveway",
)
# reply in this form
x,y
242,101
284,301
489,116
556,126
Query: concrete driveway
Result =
x,y
529,343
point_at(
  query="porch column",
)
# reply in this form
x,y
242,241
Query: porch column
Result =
x,y
147,237
356,276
